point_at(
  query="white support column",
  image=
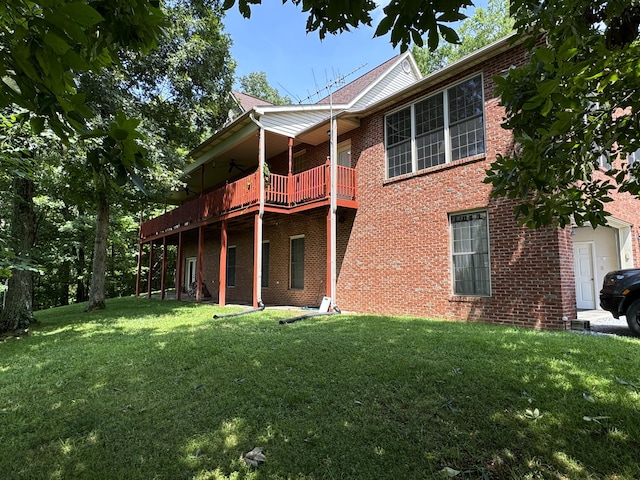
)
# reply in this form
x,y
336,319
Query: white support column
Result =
x,y
333,206
257,267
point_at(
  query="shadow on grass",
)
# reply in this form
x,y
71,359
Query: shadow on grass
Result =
x,y
168,392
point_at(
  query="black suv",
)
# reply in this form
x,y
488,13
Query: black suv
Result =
x,y
620,295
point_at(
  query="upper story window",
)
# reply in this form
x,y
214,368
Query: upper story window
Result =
x,y
299,161
441,128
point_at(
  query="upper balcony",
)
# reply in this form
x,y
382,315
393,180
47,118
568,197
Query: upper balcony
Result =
x,y
283,193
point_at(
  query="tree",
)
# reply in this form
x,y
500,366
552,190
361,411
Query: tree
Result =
x,y
179,90
256,85
43,47
17,150
572,109
481,29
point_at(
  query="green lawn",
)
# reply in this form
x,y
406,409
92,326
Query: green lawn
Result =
x,y
160,390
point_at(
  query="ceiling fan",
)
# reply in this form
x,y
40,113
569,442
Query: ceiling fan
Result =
x,y
233,164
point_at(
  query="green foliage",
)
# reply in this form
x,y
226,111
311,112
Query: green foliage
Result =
x,y
407,21
150,389
572,109
257,85
484,27
44,45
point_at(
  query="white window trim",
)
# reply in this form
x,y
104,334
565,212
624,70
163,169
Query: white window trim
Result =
x,y
451,254
187,261
447,137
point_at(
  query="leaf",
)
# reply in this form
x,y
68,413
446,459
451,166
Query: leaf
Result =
x,y
12,84
81,13
587,397
433,39
532,414
255,457
545,54
57,44
37,125
587,418
449,34
450,472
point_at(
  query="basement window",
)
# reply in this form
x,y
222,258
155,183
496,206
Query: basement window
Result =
x,y
470,254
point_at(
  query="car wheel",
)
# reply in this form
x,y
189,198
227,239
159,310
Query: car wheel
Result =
x,y
633,317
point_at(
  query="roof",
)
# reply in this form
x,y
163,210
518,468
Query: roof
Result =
x,y
248,102
351,90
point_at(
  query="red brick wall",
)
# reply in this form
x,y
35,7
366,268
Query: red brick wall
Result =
x,y
394,252
277,230
397,256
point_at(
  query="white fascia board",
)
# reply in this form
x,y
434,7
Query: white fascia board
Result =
x,y
470,60
267,110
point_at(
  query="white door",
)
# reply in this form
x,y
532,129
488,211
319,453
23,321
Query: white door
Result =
x,y
583,267
189,272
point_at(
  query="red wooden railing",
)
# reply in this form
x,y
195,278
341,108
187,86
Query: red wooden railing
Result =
x,y
280,190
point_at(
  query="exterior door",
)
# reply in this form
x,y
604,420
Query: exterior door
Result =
x,y
583,267
189,272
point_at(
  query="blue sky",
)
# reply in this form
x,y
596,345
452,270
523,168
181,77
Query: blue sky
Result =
x,y
274,41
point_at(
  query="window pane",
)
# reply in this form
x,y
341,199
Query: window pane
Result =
x,y
429,114
297,263
265,264
430,131
466,119
467,138
399,159
430,149
465,100
231,267
399,127
471,271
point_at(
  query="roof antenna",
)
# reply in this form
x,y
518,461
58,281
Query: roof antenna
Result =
x,y
331,83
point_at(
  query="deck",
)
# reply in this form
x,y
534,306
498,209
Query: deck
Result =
x,y
283,193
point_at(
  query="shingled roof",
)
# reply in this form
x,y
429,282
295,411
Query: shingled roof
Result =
x,y
352,89
247,102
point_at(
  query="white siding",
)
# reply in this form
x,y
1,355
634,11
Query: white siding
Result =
x,y
291,124
394,81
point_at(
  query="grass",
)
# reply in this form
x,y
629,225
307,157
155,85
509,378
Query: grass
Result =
x,y
160,390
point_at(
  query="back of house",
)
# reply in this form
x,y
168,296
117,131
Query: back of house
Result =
x,y
374,196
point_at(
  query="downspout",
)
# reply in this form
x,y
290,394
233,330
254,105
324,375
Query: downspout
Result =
x,y
258,223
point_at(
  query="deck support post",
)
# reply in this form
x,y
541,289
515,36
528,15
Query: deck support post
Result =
x,y
139,274
180,262
163,277
222,291
333,209
150,273
257,225
200,263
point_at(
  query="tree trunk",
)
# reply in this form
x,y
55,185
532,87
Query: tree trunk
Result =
x,y
96,291
18,312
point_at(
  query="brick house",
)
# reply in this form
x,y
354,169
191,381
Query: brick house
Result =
x,y
374,196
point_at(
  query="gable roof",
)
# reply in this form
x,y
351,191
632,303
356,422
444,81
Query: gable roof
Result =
x,y
306,122
248,102
352,89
